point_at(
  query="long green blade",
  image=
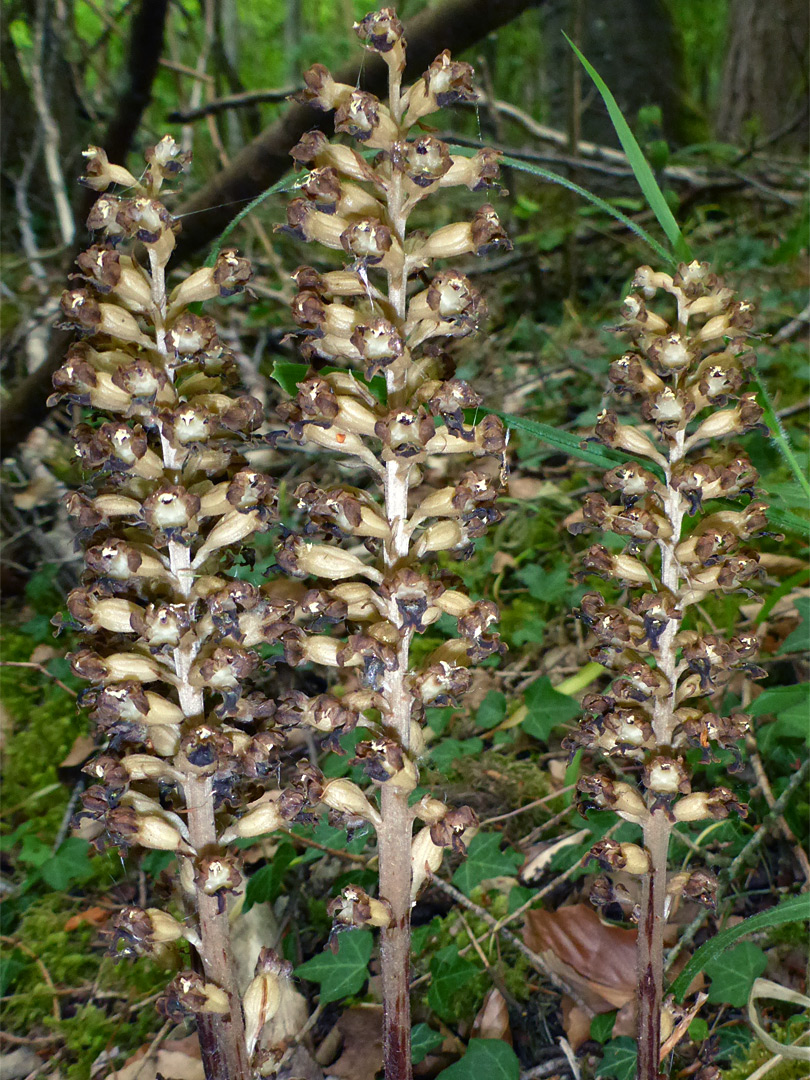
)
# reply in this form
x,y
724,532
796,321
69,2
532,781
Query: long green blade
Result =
x,y
639,164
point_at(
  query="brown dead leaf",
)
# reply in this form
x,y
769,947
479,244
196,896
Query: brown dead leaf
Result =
x,y
362,1056
501,560
95,916
41,491
42,654
179,1059
492,1021
528,487
83,747
596,960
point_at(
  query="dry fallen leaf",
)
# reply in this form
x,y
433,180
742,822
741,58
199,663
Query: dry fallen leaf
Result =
x,y
492,1021
362,1056
179,1060
95,916
598,961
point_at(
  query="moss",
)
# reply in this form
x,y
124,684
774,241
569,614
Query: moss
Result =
x,y
756,1055
73,960
44,725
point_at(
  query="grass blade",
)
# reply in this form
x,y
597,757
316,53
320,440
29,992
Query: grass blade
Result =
x,y
781,439
639,164
287,183
600,204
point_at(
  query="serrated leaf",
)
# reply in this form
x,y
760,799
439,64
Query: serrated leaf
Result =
x,y
264,886
733,973
792,909
486,1059
485,860
423,1040
620,1059
547,708
344,972
450,976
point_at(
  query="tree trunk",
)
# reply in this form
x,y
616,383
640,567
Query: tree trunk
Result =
x,y
765,81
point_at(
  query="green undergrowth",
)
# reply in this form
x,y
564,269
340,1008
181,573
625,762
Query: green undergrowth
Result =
x,y
755,1054
108,1009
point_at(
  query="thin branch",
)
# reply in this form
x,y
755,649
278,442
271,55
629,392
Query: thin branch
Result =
x,y
232,101
42,670
50,130
536,961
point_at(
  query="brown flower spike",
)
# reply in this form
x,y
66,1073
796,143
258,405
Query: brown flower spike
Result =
x,y
361,323
170,636
686,373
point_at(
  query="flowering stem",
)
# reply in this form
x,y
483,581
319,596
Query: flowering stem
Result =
x,y
652,921
394,836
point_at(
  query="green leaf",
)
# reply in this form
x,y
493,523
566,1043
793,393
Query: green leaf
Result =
x,y
491,710
70,865
547,708
782,519
776,699
602,1026
566,443
34,852
450,978
486,1059
620,1059
733,973
799,639
12,964
485,860
444,753
792,909
344,972
545,585
638,163
423,1040
264,886
288,376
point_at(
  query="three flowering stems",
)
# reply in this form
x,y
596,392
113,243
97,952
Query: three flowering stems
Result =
x,y
193,748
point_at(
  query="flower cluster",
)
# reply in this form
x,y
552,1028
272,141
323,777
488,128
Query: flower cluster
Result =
x,y
170,636
686,372
381,399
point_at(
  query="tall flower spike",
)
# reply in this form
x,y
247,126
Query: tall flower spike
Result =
x,y
686,372
169,498
364,321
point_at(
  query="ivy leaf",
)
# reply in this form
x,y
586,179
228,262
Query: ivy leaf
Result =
x,y
423,1040
70,864
450,975
265,885
602,1026
445,752
344,972
733,973
620,1059
485,860
486,1059
546,585
547,708
491,710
